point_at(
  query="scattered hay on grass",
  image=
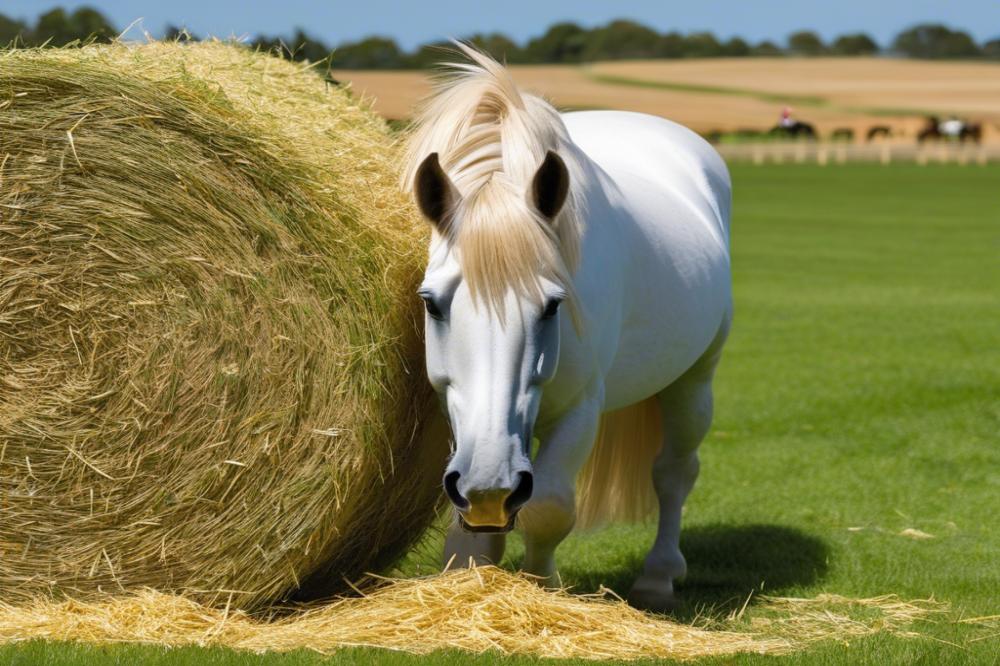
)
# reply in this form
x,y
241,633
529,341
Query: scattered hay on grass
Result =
x,y
987,627
210,360
476,610
837,618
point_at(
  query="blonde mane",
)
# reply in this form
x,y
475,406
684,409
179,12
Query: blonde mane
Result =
x,y
491,138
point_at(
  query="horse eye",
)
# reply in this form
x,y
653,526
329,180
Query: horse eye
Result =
x,y
432,308
551,308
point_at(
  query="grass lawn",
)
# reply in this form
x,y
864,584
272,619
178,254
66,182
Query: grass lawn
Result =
x,y
859,397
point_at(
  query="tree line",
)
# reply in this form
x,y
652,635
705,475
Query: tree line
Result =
x,y
561,43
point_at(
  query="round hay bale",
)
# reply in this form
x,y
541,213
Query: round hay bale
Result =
x,y
210,363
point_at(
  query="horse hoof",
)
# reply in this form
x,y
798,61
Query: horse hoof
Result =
x,y
653,595
550,581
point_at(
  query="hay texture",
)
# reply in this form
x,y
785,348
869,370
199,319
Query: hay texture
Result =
x,y
210,370
477,610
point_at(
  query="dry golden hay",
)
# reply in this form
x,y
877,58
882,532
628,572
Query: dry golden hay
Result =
x,y
477,610
210,366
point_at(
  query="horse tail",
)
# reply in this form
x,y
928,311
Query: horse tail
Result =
x,y
616,483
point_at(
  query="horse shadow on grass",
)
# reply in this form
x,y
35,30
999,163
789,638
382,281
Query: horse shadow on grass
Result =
x,y
727,565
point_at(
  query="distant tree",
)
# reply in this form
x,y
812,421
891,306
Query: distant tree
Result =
x,y
671,45
58,28
766,48
12,30
268,44
562,42
431,55
620,40
175,34
53,25
735,47
806,43
498,45
933,40
90,23
856,44
307,48
701,45
369,53
301,46
991,49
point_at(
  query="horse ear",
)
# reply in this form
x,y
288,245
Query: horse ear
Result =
x,y
436,196
550,186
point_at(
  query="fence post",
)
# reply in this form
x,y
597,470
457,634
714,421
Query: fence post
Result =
x,y
800,152
825,154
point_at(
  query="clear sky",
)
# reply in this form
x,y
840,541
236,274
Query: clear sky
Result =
x,y
412,22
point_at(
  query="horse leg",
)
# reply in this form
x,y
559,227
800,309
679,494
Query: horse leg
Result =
x,y
463,548
549,515
686,407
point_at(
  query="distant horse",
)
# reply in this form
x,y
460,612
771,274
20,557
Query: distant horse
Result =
x,y
878,132
842,134
577,291
936,130
973,132
795,130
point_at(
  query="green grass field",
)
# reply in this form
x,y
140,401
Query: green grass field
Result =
x,y
859,397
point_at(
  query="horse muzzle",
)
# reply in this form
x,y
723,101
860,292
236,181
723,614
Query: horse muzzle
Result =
x,y
487,529
491,510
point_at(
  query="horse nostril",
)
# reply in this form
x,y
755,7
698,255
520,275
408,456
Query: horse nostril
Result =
x,y
521,494
451,490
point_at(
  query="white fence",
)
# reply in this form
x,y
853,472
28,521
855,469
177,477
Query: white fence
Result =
x,y
814,152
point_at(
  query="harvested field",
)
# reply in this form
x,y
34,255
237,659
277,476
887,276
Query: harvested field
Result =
x,y
729,94
882,84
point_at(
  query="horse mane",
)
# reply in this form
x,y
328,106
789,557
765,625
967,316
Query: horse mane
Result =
x,y
491,138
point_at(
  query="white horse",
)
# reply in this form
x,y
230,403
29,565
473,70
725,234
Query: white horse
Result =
x,y
577,292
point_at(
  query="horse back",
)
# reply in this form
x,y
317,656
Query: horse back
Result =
x,y
652,150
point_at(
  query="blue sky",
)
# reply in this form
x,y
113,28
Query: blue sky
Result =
x,y
413,22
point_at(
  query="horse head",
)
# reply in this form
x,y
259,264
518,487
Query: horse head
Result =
x,y
490,351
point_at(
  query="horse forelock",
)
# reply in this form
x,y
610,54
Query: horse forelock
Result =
x,y
491,138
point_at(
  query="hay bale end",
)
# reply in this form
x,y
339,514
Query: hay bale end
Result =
x,y
211,372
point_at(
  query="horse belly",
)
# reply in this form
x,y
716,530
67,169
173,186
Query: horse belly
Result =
x,y
656,350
